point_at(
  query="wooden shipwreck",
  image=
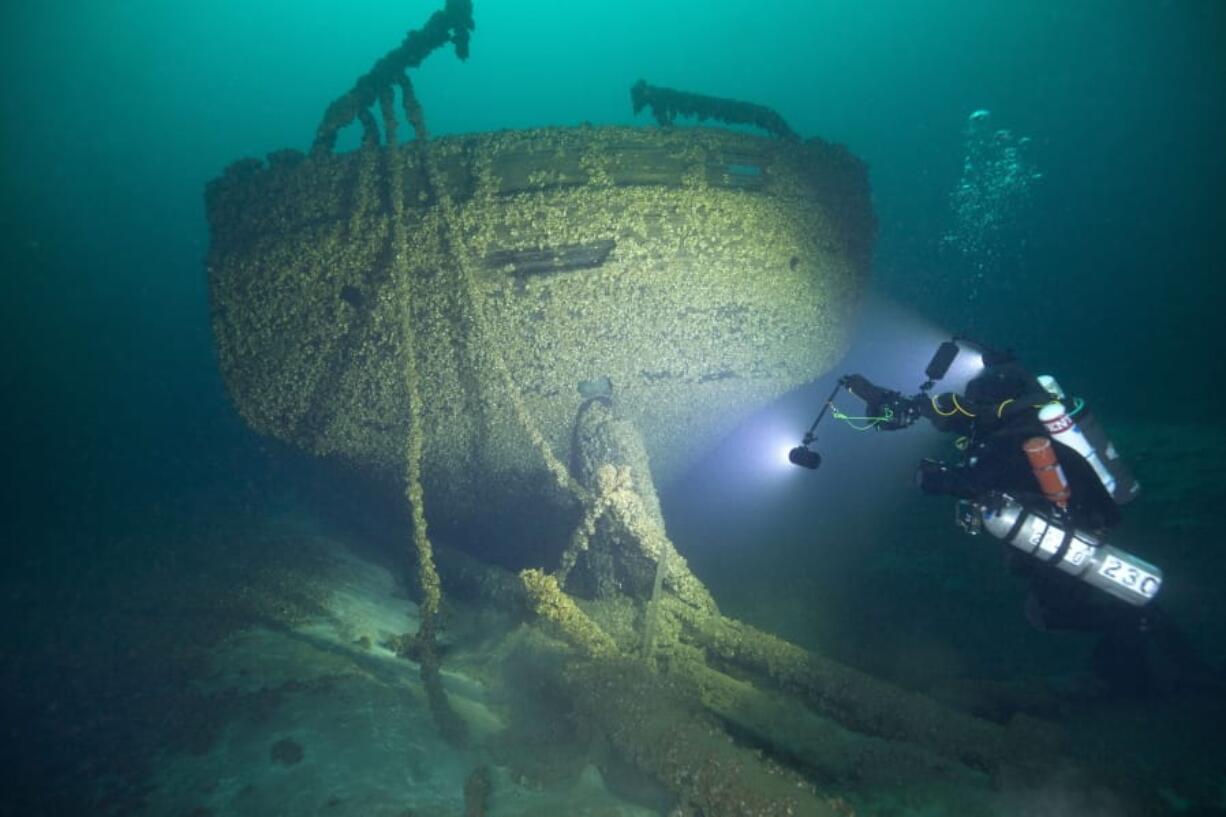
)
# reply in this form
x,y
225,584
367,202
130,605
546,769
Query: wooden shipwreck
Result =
x,y
693,274
539,325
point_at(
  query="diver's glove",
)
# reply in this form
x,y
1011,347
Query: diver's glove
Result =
x,y
860,386
889,409
897,411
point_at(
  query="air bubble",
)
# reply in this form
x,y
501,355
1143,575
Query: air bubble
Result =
x,y
991,201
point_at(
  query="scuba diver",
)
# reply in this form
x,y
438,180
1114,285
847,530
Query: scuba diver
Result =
x,y
1037,471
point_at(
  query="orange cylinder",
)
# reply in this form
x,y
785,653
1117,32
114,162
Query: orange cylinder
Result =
x,y
1047,470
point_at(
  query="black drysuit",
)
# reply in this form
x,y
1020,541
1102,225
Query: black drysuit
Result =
x,y
996,414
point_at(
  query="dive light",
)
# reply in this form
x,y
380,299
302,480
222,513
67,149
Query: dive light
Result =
x,y
940,363
805,457
899,411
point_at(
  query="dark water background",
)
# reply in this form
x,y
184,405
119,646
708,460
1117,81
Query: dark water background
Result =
x,y
114,115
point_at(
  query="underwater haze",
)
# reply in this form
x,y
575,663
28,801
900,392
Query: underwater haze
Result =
x,y
203,620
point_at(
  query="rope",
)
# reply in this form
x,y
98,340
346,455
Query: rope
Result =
x,y
483,351
449,724
481,345
870,422
608,482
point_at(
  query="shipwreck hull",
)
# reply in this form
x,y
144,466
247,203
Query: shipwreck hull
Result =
x,y
700,272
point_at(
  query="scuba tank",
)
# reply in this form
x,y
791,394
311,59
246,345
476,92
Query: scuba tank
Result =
x,y
1126,486
1050,386
1075,552
1086,436
1047,471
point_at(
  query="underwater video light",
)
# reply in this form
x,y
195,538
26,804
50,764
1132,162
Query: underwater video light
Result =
x,y
942,360
805,457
